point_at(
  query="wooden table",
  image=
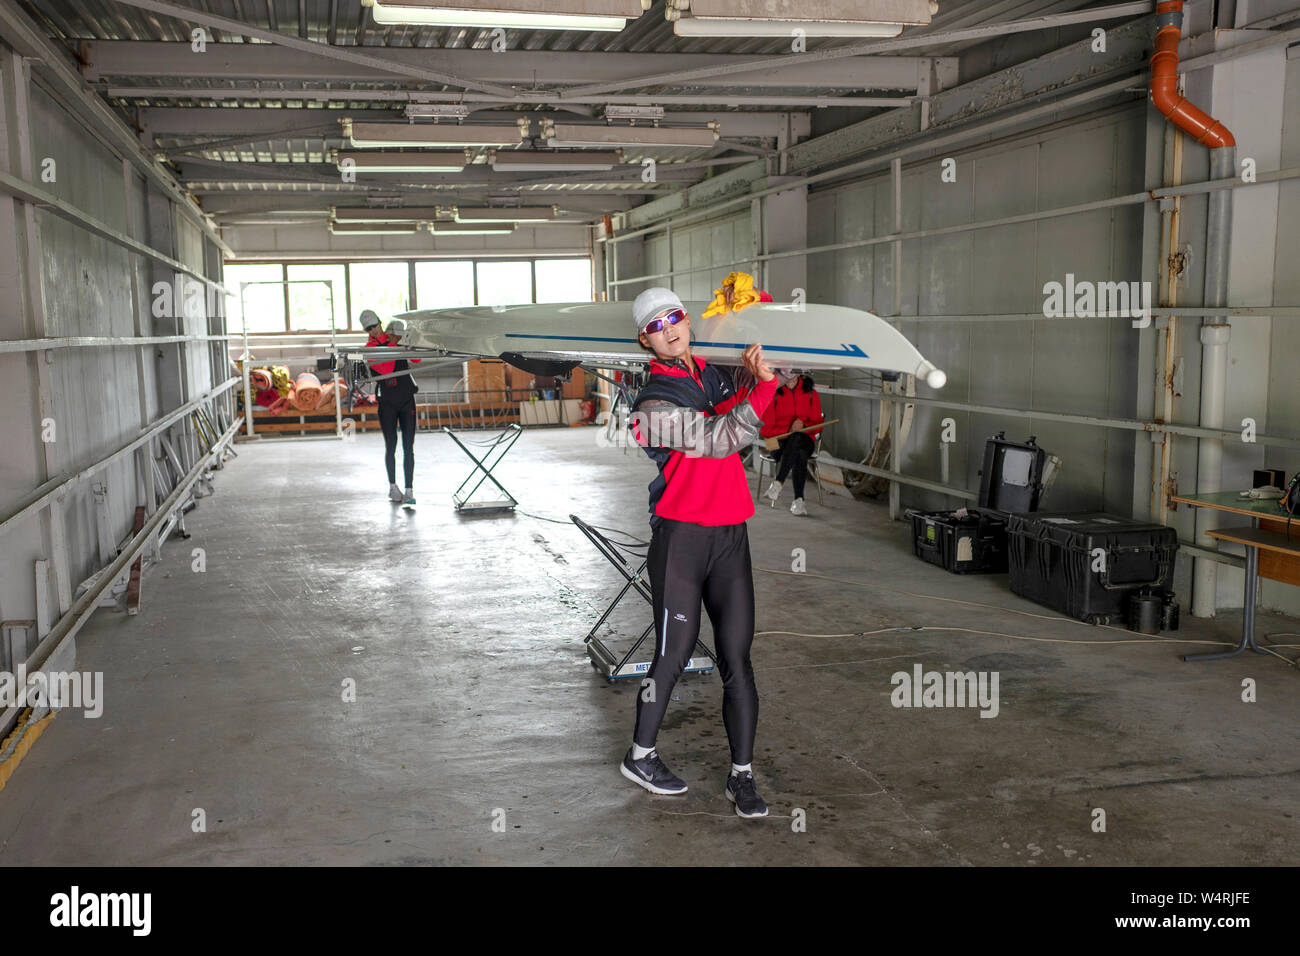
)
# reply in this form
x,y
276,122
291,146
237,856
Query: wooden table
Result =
x,y
1272,551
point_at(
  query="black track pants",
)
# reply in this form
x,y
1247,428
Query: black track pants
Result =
x,y
794,461
391,415
692,564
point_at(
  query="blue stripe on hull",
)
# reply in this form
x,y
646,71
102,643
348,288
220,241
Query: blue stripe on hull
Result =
x,y
844,350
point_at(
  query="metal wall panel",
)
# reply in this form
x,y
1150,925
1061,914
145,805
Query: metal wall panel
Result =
x,y
1067,365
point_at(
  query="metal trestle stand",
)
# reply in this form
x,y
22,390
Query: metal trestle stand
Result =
x,y
602,658
496,450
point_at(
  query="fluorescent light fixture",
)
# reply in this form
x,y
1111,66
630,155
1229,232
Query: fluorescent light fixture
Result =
x,y
573,134
601,15
615,111
701,27
524,161
384,214
471,228
373,229
781,18
391,162
381,135
498,214
436,111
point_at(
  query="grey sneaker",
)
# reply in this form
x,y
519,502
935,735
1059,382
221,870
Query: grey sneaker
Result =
x,y
741,792
650,772
773,492
797,507
395,493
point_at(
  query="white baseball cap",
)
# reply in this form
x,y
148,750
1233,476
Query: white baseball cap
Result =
x,y
651,302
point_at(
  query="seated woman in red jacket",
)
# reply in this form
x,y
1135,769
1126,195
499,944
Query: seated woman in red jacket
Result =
x,y
796,405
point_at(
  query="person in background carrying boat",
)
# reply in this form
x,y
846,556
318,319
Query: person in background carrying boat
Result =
x,y
396,407
795,406
693,421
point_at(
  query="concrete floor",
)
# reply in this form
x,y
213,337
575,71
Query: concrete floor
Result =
x,y
475,700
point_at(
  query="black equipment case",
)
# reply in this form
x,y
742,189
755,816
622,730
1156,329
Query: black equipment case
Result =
x,y
974,540
1052,559
962,542
1012,477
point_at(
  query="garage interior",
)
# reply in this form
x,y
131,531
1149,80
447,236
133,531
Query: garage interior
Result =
x,y
294,670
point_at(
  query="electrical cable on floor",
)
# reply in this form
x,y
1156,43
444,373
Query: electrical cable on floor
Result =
x,y
993,607
935,597
638,543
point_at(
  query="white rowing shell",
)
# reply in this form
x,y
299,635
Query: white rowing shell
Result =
x,y
808,336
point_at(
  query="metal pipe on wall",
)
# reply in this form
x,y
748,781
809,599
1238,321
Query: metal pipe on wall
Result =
x,y
1215,333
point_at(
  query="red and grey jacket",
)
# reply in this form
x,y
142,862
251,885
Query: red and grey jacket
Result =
x,y
794,404
693,426
392,389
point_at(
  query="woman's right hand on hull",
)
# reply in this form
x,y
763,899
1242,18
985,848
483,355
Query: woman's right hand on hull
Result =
x,y
753,360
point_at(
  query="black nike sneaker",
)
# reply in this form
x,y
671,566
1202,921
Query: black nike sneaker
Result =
x,y
651,773
741,792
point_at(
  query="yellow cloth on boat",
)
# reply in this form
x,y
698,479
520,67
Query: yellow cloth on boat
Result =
x,y
743,294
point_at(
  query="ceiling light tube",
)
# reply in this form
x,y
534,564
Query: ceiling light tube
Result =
x,y
573,134
523,161
373,229
717,27
396,162
381,135
511,14
471,229
498,214
381,214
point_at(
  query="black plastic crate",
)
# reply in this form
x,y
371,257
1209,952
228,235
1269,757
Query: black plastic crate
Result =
x,y
1052,559
963,543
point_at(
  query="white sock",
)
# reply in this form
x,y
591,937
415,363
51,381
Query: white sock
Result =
x,y
409,493
737,768
640,753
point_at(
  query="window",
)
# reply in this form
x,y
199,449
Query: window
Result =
x,y
444,285
505,283
262,304
382,287
309,304
563,280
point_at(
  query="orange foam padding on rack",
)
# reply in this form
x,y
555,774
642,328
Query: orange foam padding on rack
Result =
x,y
327,394
306,392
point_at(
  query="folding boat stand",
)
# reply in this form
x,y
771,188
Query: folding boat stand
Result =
x,y
497,447
602,658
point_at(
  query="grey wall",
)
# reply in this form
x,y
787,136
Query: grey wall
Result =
x,y
99,397
707,248
1079,366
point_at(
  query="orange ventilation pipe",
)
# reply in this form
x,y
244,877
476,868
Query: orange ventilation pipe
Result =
x,y
1191,119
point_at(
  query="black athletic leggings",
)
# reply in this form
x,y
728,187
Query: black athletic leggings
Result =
x,y
690,564
794,460
391,415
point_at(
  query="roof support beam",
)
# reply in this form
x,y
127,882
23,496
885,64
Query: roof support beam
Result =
x,y
209,171
319,50
214,123
913,41
528,68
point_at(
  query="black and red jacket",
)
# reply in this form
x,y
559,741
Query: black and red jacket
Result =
x,y
398,389
693,425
